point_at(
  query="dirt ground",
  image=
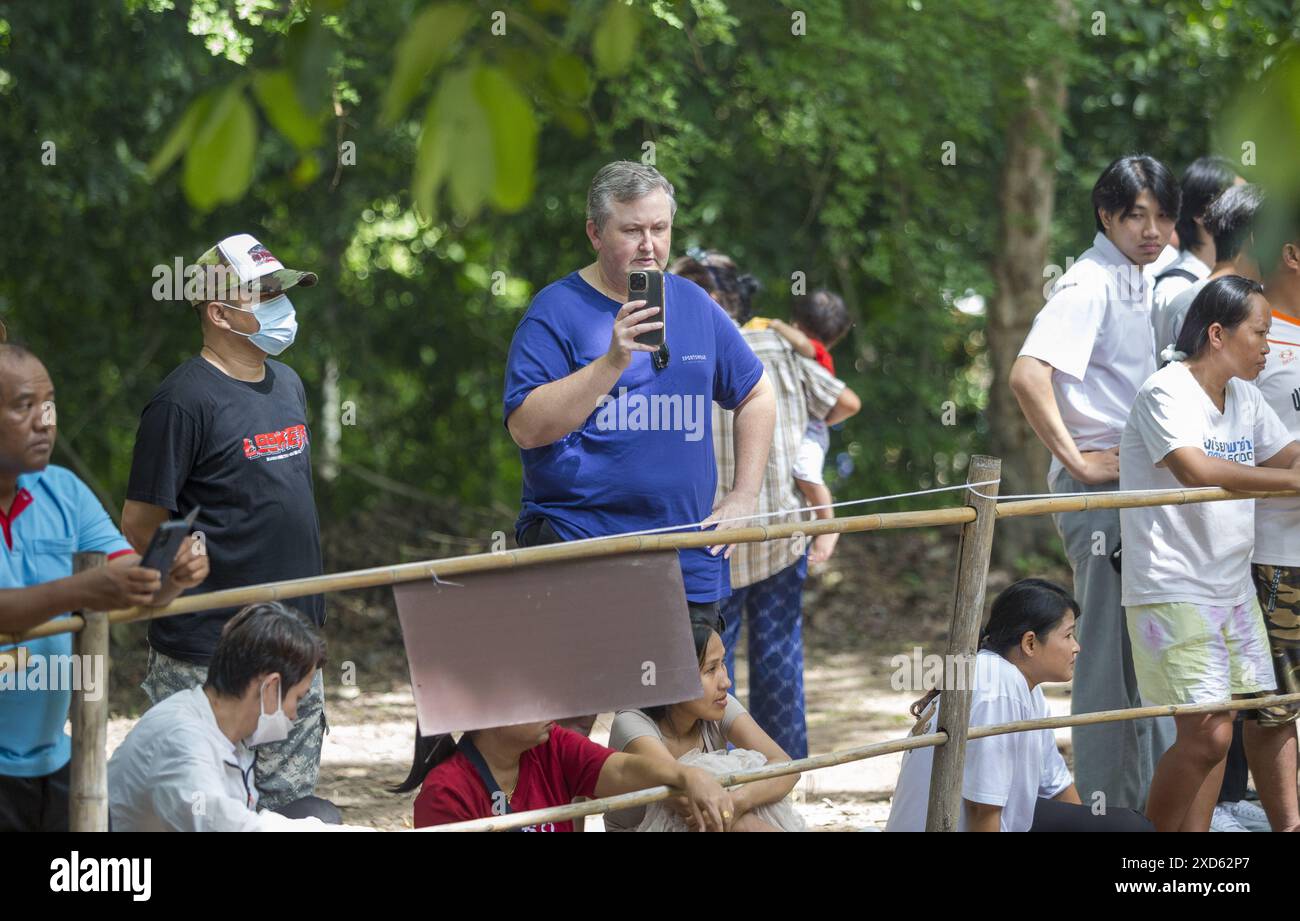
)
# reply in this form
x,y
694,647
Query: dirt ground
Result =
x,y
882,594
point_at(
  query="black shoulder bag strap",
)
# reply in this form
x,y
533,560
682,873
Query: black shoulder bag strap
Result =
x,y
500,802
1176,273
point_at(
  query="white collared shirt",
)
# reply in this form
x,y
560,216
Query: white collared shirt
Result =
x,y
1168,256
1095,332
177,771
1165,289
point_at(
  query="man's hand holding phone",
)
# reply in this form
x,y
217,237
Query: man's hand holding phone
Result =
x,y
189,568
633,319
113,587
125,584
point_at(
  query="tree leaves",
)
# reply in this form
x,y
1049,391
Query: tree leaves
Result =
x,y
514,138
614,42
458,140
567,75
276,94
219,161
181,135
480,138
427,43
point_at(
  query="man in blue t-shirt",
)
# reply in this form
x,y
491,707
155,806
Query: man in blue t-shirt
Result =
x,y
610,441
50,516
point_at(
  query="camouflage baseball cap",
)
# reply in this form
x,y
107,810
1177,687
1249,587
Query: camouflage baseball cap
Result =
x,y
249,268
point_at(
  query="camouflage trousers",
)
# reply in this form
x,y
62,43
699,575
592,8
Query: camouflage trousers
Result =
x,y
285,771
1278,590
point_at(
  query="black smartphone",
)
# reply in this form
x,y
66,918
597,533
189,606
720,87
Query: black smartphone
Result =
x,y
166,542
648,286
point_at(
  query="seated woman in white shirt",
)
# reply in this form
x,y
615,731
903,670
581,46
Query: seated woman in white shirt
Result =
x,y
707,724
187,765
1193,618
1016,781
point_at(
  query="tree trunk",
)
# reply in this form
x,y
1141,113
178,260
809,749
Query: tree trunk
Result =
x,y
1025,199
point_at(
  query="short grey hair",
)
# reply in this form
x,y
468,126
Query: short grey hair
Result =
x,y
624,181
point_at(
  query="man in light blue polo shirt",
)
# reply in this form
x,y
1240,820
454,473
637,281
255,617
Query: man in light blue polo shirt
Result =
x,y
47,515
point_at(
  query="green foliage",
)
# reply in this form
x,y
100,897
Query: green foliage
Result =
x,y
812,158
219,159
615,40
426,44
278,98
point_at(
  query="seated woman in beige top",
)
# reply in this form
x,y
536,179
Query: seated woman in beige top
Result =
x,y
706,724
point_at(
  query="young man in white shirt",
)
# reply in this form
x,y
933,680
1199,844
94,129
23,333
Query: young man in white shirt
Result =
x,y
1228,220
187,765
1202,183
1196,630
1078,372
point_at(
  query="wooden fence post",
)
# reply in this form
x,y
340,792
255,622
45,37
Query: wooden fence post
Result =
x,y
88,788
963,639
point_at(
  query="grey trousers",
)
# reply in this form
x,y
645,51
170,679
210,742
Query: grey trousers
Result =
x,y
1113,759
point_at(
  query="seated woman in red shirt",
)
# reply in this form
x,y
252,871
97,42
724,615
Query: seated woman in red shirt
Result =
x,y
536,765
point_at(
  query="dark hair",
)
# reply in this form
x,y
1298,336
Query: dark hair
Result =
x,y
822,314
1120,184
1225,301
1277,223
1230,219
260,639
702,627
718,274
430,751
1028,606
1203,182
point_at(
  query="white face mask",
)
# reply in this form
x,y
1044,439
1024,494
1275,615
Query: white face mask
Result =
x,y
271,727
277,324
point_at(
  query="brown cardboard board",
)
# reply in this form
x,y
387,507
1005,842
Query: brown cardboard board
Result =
x,y
548,642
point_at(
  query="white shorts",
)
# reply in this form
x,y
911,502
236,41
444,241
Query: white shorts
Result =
x,y
809,461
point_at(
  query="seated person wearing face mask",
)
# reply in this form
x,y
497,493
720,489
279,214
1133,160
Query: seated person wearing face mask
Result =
x,y
187,765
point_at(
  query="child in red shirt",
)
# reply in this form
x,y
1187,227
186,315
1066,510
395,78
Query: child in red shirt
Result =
x,y
537,765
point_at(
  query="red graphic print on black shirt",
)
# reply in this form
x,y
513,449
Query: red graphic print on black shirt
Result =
x,y
274,445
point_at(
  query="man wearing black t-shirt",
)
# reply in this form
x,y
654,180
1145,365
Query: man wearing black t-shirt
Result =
x,y
227,433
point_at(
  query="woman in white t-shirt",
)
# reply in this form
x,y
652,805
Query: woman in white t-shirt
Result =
x,y
1016,781
1193,619
698,732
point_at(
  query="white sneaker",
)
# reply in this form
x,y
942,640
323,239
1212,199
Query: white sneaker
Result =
x,y
1224,820
1251,815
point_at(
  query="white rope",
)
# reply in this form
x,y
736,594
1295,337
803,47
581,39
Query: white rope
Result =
x,y
808,508
901,495
1102,492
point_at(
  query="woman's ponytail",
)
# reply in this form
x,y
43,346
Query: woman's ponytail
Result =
x,y
430,751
